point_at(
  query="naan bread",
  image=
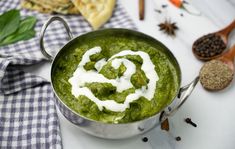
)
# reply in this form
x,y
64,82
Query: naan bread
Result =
x,y
32,6
96,12
58,6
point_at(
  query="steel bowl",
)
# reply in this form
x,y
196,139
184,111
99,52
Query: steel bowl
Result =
x,y
107,130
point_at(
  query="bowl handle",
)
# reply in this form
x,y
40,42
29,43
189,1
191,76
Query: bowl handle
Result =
x,y
43,30
183,95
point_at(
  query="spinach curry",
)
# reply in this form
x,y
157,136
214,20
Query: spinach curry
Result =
x,y
166,86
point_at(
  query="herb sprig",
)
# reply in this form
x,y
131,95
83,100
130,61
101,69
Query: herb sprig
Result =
x,y
14,29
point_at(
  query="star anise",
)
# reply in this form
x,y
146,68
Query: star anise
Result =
x,y
168,27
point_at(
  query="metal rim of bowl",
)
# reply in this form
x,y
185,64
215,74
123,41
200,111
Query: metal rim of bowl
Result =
x,y
118,30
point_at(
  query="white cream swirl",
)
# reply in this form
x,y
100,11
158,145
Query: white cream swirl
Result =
x,y
81,76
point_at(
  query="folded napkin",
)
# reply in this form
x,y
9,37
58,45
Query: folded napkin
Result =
x,y
28,117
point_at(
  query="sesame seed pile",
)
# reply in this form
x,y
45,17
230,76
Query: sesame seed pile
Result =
x,y
215,75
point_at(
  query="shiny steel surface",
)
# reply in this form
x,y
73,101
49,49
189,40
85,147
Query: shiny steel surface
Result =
x,y
115,131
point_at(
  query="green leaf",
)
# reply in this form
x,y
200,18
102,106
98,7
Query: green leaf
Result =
x,y
24,32
18,37
26,24
9,22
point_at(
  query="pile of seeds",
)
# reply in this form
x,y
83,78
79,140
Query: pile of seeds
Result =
x,y
215,75
209,46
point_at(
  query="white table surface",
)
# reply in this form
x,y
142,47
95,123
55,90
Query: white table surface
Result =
x,y
214,113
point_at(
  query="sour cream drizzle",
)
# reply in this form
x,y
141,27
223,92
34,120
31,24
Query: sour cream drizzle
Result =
x,y
81,76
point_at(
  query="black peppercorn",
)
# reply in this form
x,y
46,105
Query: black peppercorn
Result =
x,y
209,46
145,139
178,138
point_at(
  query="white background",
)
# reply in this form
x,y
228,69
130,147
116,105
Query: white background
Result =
x,y
214,112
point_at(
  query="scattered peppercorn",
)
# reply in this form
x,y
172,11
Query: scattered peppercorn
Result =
x,y
185,2
178,138
169,108
189,121
208,46
164,6
158,11
181,14
145,139
215,75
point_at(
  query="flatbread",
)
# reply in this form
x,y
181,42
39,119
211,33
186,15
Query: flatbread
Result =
x,y
58,6
96,12
32,6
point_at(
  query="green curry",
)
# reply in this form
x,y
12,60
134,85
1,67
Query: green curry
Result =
x,y
166,87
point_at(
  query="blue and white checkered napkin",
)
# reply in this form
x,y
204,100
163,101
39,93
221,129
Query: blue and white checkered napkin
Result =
x,y
28,117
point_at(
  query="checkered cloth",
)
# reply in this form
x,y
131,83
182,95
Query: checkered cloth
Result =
x,y
28,117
